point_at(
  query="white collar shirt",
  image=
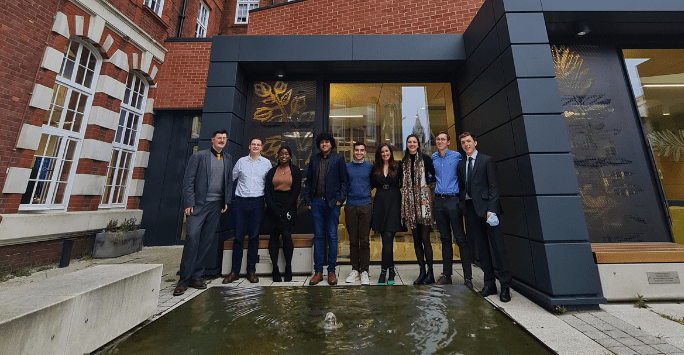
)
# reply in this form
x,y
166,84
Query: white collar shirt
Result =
x,y
251,176
474,156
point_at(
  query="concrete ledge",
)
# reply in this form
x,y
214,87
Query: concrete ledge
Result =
x,y
622,282
302,258
78,312
32,227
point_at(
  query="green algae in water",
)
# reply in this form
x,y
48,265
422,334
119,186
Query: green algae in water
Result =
x,y
371,320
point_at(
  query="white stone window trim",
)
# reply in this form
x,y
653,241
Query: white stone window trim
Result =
x,y
121,147
202,20
155,5
242,10
66,134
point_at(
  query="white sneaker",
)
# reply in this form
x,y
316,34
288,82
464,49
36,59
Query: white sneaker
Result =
x,y
353,277
364,278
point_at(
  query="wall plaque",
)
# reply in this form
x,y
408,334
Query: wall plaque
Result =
x,y
665,277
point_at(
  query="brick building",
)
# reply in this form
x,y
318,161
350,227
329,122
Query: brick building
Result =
x,y
577,101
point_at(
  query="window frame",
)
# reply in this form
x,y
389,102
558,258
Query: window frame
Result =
x,y
65,135
157,6
119,147
249,5
202,23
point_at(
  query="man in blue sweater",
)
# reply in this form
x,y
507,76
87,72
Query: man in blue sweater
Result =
x,y
357,214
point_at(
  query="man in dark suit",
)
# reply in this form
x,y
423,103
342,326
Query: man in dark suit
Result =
x,y
207,189
325,189
480,204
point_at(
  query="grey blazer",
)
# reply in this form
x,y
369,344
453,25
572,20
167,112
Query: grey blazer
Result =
x,y
196,179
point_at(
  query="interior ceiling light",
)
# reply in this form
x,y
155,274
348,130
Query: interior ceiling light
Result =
x,y
581,28
663,85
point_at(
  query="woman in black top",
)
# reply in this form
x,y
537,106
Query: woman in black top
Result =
x,y
386,179
416,204
281,191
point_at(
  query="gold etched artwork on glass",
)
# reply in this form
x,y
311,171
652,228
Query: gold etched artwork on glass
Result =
x,y
281,106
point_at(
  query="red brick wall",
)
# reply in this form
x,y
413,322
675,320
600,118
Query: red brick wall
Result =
x,y
184,79
338,17
44,253
23,36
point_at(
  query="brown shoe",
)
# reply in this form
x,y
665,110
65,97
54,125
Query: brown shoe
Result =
x,y
444,280
317,277
332,279
230,278
198,284
252,277
179,290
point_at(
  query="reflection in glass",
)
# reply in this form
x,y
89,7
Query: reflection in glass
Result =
x,y
657,78
377,113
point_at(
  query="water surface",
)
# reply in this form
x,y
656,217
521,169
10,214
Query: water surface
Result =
x,y
371,320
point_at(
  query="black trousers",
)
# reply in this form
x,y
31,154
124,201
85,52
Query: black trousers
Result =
x,y
485,236
450,219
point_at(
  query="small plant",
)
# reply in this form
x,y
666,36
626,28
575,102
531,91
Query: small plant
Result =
x,y
129,224
85,256
559,309
22,271
170,280
43,268
641,302
678,320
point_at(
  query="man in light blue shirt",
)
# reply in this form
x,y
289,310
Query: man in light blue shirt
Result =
x,y
448,214
250,172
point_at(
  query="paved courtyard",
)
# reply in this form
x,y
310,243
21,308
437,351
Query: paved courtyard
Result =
x,y
614,329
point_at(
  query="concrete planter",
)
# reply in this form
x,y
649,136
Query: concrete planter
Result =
x,y
114,244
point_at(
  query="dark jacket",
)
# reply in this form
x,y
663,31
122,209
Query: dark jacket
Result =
x,y
484,185
196,179
291,204
336,179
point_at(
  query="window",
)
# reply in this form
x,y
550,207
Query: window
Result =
x,y
53,164
242,10
125,143
155,5
202,21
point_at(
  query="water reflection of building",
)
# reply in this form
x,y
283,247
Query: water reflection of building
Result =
x,y
101,119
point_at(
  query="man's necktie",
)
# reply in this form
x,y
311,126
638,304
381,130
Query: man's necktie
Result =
x,y
470,176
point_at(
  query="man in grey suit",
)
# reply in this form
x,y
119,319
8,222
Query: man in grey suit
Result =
x,y
207,189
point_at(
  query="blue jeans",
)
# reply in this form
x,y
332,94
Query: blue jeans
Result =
x,y
325,219
247,218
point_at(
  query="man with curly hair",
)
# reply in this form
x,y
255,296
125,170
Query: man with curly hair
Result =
x,y
325,190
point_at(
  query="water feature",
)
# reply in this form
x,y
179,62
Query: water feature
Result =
x,y
331,320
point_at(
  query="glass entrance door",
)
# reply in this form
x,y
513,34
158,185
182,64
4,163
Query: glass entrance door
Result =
x,y
657,78
377,113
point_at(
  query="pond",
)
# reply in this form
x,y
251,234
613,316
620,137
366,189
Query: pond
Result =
x,y
369,320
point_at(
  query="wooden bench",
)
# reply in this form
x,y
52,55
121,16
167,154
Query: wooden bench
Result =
x,y
631,253
652,270
302,260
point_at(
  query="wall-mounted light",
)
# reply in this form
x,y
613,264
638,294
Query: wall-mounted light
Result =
x,y
666,111
581,28
280,73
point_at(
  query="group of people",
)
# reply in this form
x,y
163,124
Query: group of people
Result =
x,y
464,190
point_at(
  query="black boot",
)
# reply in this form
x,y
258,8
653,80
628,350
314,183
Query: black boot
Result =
x,y
381,279
288,273
430,278
390,276
276,274
421,277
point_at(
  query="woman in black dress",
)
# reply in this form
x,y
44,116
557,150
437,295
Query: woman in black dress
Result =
x,y
416,204
386,179
281,191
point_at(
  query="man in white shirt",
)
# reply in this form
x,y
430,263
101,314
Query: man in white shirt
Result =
x,y
250,172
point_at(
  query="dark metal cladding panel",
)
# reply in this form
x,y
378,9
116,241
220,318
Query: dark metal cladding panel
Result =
x,y
555,218
483,56
482,23
225,48
503,6
513,221
498,142
490,114
540,134
408,47
617,6
509,178
565,269
482,89
295,48
519,254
